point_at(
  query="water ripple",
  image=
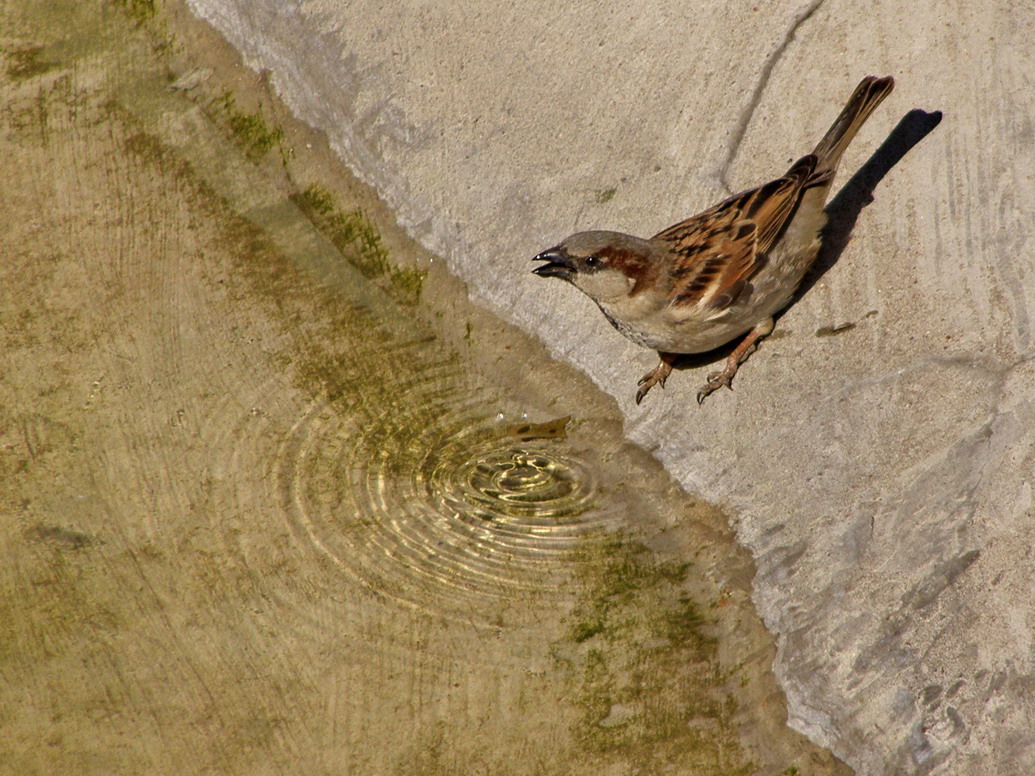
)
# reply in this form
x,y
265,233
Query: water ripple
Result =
x,y
438,507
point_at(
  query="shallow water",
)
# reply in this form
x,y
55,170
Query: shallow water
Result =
x,y
263,514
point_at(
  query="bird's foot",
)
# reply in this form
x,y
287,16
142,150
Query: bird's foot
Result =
x,y
656,376
747,346
717,380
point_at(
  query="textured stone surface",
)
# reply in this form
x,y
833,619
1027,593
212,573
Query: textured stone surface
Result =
x,y
880,476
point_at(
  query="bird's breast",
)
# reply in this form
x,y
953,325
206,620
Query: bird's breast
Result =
x,y
661,327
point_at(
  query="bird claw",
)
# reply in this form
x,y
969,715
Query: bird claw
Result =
x,y
716,380
656,376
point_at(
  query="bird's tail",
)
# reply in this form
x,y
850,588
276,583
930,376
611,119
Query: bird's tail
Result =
x,y
867,96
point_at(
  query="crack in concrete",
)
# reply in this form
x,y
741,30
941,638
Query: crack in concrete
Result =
x,y
756,97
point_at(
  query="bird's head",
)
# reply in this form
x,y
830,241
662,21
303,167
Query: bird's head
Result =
x,y
604,265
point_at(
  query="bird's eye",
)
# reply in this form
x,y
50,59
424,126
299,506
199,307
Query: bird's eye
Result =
x,y
591,261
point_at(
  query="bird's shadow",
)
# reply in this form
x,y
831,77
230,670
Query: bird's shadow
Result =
x,y
844,209
843,212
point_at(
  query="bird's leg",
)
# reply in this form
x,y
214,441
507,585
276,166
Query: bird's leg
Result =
x,y
657,375
735,359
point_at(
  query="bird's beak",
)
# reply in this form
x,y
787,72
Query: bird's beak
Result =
x,y
558,265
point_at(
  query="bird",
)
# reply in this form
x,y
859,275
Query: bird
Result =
x,y
721,274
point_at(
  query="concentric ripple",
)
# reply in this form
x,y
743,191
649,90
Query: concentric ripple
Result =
x,y
439,508
520,482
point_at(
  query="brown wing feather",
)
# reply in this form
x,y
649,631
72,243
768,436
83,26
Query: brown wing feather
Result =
x,y
718,250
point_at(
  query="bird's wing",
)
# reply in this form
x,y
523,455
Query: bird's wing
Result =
x,y
718,251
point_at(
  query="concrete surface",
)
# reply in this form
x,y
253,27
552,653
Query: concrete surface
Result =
x,y
881,478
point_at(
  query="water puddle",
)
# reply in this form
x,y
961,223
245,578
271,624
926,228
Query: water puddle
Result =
x,y
268,510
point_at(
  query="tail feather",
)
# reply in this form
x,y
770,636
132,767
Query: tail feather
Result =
x,y
866,97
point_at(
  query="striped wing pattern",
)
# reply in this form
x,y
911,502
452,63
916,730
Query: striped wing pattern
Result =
x,y
720,249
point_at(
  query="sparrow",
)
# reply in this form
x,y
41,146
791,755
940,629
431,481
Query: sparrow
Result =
x,y
721,274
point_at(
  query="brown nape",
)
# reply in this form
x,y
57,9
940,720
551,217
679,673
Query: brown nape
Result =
x,y
633,264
